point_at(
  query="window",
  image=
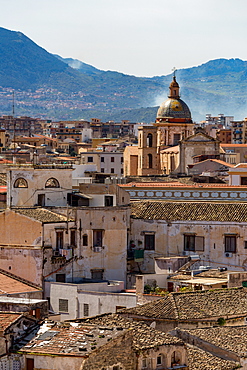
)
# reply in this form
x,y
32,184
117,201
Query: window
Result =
x,y
97,274
52,183
149,241
231,243
193,243
97,238
102,159
112,159
86,309
90,159
41,200
85,240
73,238
243,180
159,360
108,200
63,305
176,139
175,358
150,140
245,244
122,159
150,161
60,278
112,170
144,363
20,183
102,170
59,240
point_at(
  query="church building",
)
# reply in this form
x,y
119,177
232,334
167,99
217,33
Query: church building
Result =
x,y
173,123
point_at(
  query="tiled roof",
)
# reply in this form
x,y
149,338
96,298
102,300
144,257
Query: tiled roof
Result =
x,y
216,161
175,184
41,214
233,145
10,283
189,211
10,286
64,339
7,318
231,338
143,336
195,305
241,165
201,360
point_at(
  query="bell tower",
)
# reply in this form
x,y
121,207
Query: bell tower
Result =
x,y
148,153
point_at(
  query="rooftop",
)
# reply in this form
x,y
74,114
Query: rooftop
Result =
x,y
40,214
174,184
10,284
76,339
8,318
199,359
144,337
188,211
206,304
231,338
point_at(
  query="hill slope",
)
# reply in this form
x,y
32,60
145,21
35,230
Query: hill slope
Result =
x,y
47,86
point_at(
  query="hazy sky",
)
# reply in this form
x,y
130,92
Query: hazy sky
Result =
x,y
138,37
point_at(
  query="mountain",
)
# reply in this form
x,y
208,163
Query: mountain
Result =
x,y
52,87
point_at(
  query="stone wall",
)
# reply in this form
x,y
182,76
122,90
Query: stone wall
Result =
x,y
117,352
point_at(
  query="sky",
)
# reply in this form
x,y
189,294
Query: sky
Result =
x,y
136,37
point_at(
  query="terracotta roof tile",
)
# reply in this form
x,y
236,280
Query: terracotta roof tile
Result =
x,y
189,211
7,318
195,305
10,286
231,338
41,214
80,338
201,360
143,336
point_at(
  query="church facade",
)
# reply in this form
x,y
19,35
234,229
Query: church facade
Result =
x,y
169,145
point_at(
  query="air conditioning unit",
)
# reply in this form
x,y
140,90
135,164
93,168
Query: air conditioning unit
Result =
x,y
228,254
97,249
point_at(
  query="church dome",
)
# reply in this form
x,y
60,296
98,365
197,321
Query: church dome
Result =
x,y
174,108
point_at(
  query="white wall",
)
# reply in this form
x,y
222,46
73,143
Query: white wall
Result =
x,y
99,301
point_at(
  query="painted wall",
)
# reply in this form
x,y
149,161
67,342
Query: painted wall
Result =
x,y
99,302
169,241
36,180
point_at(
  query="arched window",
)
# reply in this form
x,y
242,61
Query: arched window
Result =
x,y
176,358
52,183
150,140
159,360
20,183
150,161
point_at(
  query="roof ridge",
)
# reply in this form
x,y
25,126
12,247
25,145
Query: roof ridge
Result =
x,y
175,306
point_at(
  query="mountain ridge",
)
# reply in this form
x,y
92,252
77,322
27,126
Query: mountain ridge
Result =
x,y
47,86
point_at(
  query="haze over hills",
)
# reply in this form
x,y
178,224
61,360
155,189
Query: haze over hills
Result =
x,y
49,86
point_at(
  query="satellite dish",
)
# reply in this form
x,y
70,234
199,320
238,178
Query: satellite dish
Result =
x,y
153,325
